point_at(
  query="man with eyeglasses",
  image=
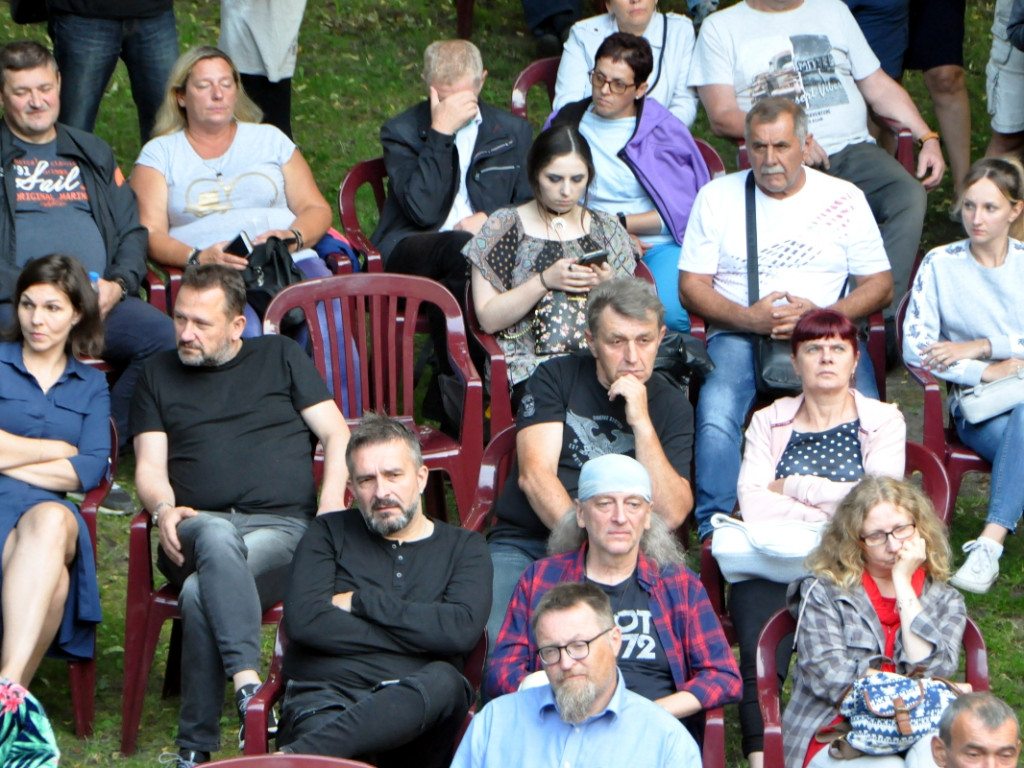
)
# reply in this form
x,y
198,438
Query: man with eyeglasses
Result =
x,y
674,651
585,716
647,166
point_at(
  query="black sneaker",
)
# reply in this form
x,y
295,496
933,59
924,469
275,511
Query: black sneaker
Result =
x,y
183,758
118,502
242,698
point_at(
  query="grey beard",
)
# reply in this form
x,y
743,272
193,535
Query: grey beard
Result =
x,y
387,527
574,702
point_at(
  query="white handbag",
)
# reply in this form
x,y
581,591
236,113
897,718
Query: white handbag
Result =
x,y
773,550
991,398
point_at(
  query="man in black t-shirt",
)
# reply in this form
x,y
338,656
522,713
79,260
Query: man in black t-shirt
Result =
x,y
584,406
225,466
383,605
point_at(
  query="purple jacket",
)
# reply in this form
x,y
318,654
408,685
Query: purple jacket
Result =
x,y
661,154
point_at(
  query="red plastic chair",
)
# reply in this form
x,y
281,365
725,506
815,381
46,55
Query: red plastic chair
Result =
x,y
288,761
374,309
716,167
940,434
82,672
544,71
272,691
920,460
373,173
782,624
494,470
501,400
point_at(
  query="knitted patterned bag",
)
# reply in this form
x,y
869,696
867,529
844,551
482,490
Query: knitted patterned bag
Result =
x,y
889,712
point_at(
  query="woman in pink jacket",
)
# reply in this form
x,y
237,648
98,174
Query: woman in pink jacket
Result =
x,y
803,455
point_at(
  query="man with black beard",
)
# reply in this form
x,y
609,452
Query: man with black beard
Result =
x,y
224,464
586,716
383,605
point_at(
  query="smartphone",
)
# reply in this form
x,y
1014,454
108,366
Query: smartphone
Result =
x,y
240,246
594,259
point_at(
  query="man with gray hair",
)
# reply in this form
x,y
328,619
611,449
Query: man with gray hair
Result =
x,y
977,729
383,605
817,246
586,716
674,651
585,405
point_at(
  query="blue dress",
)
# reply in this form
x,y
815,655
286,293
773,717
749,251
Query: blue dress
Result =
x,y
76,410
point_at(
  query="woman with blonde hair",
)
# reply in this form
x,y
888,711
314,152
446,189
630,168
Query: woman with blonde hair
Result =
x,y
213,172
965,323
877,601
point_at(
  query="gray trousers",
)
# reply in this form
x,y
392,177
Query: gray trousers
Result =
x,y
898,202
236,566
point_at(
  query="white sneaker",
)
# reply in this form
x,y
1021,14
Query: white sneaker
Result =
x,y
981,568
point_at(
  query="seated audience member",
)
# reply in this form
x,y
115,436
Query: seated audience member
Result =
x,y
224,464
586,712
648,168
451,162
965,323
1004,78
524,255
670,36
877,600
674,651
815,234
63,193
813,53
977,729
582,406
54,438
383,605
801,457
213,171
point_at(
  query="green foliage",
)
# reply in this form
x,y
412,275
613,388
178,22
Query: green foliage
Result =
x,y
359,64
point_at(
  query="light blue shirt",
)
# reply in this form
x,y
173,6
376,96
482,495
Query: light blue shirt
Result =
x,y
525,728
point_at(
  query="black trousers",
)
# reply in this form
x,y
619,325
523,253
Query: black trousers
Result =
x,y
751,604
412,722
275,99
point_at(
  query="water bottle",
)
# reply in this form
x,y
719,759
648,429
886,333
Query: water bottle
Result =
x,y
94,278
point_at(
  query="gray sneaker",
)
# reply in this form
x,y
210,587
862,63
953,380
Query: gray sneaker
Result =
x,y
981,568
183,758
118,502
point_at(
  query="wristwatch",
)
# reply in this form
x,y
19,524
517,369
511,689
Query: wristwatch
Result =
x,y
124,287
193,258
154,514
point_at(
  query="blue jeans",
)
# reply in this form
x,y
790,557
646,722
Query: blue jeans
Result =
x,y
999,440
87,50
663,261
726,397
236,566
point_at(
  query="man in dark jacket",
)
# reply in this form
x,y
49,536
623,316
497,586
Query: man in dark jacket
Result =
x,y
63,192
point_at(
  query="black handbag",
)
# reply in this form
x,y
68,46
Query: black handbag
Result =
x,y
682,358
774,374
270,270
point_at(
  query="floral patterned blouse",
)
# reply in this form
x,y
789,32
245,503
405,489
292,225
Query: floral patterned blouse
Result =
x,y
508,257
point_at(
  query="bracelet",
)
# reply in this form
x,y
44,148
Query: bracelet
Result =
x,y
541,276
193,258
927,137
300,243
907,603
155,513
622,219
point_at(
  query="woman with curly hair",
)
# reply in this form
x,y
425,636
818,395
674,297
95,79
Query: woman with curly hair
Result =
x,y
877,601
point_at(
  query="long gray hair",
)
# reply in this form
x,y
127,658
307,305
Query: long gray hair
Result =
x,y
658,543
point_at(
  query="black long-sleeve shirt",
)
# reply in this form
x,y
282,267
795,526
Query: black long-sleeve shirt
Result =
x,y
413,603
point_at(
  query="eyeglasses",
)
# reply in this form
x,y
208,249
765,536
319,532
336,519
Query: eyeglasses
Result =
x,y
900,533
576,650
615,86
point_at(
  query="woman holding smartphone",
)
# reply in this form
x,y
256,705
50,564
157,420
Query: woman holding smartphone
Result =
x,y
553,243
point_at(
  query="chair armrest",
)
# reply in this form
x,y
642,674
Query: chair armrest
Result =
x,y
713,752
934,416
904,141
258,712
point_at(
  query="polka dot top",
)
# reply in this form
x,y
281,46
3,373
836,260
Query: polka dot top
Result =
x,y
833,454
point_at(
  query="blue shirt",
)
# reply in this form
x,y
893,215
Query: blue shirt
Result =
x,y
525,728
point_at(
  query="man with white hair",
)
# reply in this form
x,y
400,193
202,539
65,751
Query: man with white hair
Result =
x,y
586,716
675,652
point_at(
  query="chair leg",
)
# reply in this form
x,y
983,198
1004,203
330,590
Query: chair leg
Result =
x,y
138,654
82,676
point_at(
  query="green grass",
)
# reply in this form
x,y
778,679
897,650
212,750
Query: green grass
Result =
x,y
359,65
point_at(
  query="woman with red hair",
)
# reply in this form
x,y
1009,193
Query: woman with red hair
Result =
x,y
802,456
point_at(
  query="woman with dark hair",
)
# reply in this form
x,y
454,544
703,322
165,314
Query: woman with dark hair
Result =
x,y
877,601
802,457
54,438
212,171
965,323
552,243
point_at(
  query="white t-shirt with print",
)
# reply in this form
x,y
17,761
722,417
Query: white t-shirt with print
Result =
x,y
812,54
